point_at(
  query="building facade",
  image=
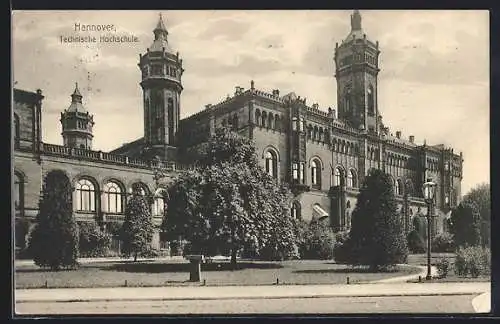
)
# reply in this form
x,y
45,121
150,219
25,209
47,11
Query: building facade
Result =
x,y
323,154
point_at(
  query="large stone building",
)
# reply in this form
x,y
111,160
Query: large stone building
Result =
x,y
324,154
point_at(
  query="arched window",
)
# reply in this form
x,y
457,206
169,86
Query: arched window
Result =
x,y
158,206
270,121
296,210
371,101
85,195
294,123
351,179
257,117
309,132
112,198
18,193
170,113
347,100
302,125
264,119
316,174
271,163
17,139
277,122
399,186
338,177
409,187
235,122
315,133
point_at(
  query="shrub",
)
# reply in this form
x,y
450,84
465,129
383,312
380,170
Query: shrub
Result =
x,y
92,241
443,243
318,242
443,266
473,261
416,243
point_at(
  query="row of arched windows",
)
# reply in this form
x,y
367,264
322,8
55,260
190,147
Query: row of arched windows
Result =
x,y
319,134
268,120
432,165
397,160
373,153
345,147
86,194
113,197
401,188
232,122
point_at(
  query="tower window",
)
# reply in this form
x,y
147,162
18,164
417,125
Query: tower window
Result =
x,y
371,101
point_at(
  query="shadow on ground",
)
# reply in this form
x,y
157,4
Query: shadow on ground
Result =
x,y
185,267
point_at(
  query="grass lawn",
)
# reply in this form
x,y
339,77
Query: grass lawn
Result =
x,y
421,260
165,273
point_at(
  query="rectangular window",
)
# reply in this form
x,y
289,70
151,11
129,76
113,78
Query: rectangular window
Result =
x,y
294,123
295,171
302,173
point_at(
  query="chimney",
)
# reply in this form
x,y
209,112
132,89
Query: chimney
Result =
x,y
315,106
398,134
208,106
276,92
412,138
238,90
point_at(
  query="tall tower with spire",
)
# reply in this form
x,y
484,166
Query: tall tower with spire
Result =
x,y
356,71
77,123
161,84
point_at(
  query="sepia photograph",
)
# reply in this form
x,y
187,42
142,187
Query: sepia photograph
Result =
x,y
250,162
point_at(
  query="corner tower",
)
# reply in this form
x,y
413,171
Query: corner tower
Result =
x,y
77,123
356,71
161,84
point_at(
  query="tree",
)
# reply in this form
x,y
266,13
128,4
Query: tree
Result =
x,y
377,236
465,224
54,240
481,196
137,229
229,203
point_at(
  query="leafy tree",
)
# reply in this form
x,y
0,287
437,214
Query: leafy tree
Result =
x,y
137,229
229,203
54,240
465,224
481,196
377,237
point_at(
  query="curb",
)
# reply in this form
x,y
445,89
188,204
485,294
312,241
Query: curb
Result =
x,y
482,303
87,300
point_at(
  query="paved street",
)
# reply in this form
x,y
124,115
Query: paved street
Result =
x,y
333,305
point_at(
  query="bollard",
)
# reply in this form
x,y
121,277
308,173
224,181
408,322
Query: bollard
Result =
x,y
347,280
126,283
204,282
46,284
277,281
419,278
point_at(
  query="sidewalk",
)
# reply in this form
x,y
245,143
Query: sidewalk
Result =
x,y
248,292
422,274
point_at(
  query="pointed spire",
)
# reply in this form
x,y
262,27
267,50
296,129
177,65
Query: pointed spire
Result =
x,y
76,96
160,29
356,20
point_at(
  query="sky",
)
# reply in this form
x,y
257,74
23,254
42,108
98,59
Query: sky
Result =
x,y
433,83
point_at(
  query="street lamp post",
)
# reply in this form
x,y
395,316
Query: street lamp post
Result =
x,y
429,189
